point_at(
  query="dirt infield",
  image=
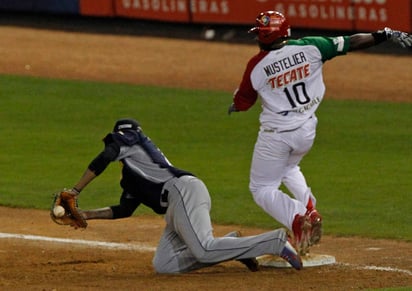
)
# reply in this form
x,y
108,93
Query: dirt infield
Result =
x,y
39,264
33,254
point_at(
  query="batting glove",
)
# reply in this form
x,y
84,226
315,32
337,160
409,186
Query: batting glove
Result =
x,y
402,38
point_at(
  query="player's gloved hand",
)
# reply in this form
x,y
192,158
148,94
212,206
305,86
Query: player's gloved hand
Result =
x,y
402,38
71,215
232,108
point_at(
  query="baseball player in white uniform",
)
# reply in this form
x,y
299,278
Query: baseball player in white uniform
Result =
x,y
287,75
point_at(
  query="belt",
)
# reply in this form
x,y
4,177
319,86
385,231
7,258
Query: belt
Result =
x,y
276,130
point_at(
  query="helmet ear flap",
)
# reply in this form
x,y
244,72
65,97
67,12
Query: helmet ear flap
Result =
x,y
254,30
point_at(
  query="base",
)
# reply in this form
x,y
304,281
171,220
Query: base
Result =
x,y
309,260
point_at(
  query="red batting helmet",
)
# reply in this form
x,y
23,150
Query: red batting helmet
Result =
x,y
271,25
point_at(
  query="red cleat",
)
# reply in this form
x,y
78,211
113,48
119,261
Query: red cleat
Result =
x,y
301,228
316,222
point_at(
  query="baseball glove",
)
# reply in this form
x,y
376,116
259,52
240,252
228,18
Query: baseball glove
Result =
x,y
71,214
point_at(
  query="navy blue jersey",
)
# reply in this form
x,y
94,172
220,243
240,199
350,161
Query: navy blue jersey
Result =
x,y
145,167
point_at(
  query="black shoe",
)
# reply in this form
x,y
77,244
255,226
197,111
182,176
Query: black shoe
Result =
x,y
252,264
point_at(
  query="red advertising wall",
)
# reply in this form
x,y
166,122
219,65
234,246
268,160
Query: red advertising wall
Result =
x,y
366,15
97,7
348,14
227,11
318,14
166,10
394,14
325,14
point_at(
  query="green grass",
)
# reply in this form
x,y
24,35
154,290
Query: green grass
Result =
x,y
359,167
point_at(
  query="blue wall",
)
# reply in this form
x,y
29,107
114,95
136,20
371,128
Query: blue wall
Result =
x,y
52,6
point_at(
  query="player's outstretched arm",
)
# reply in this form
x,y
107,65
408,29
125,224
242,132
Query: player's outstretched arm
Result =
x,y
364,40
361,41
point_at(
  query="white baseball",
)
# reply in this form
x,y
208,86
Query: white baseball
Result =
x,y
58,211
209,34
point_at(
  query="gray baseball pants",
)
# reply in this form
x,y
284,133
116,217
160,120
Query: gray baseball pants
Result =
x,y
187,242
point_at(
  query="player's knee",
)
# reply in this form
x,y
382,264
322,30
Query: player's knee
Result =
x,y
162,266
159,268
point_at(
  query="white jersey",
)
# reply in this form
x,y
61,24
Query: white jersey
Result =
x,y
288,80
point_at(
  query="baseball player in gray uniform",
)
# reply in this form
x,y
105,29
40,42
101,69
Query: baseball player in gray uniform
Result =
x,y
187,242
287,75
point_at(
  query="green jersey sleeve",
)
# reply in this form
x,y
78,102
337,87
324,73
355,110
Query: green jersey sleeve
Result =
x,y
329,47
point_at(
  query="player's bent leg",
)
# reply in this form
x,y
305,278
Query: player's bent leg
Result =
x,y
295,182
172,255
188,216
279,205
251,263
226,248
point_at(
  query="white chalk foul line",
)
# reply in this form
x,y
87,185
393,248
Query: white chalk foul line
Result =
x,y
146,248
99,244
376,268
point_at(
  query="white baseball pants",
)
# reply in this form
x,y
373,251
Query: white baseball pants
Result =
x,y
276,159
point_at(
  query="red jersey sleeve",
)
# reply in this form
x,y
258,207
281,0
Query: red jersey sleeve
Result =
x,y
245,96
